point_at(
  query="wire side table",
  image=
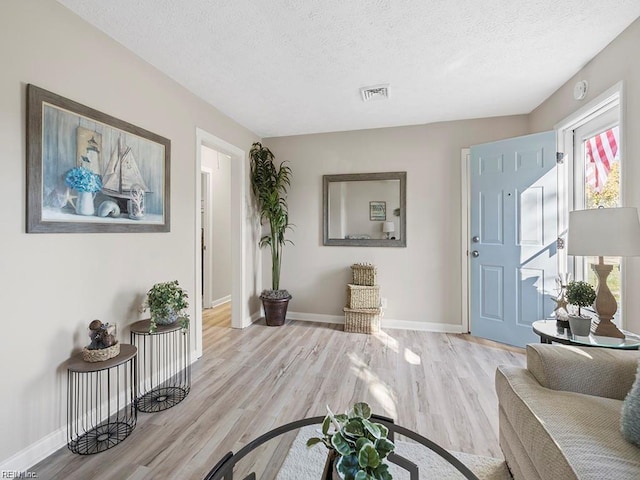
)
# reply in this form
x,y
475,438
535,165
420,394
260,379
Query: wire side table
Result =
x,y
100,395
162,366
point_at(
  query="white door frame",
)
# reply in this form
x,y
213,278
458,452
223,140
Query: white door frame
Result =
x,y
239,305
465,156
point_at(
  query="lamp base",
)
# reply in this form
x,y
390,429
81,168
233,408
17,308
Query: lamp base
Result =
x,y
605,304
606,328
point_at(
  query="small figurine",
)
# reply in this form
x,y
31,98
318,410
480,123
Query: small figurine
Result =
x,y
561,312
102,335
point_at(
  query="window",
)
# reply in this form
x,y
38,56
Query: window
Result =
x,y
596,183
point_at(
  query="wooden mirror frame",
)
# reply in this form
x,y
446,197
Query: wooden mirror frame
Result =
x,y
369,242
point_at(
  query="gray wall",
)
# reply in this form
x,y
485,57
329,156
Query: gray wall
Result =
x,y
422,282
53,285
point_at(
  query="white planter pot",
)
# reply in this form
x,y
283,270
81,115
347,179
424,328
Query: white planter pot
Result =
x,y
580,326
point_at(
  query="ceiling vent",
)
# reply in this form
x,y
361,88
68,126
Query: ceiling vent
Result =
x,y
375,92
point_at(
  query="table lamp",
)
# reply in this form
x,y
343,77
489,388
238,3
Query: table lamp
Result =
x,y
388,228
600,232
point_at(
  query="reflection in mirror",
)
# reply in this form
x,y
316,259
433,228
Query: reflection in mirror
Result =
x,y
365,209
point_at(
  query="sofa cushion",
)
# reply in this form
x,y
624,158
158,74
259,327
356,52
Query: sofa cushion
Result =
x,y
565,434
630,419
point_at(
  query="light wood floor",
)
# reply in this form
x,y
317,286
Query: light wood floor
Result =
x,y
219,316
250,381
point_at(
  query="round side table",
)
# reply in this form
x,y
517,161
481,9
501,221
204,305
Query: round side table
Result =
x,y
162,366
100,411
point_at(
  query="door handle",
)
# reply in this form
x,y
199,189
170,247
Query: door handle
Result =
x,y
475,239
475,253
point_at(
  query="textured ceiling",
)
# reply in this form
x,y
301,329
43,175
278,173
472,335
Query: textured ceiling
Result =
x,y
284,67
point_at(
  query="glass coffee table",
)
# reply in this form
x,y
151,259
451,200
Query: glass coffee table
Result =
x,y
256,460
549,332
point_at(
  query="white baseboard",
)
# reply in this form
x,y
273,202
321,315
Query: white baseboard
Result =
x,y
34,453
420,326
386,323
247,322
220,301
316,317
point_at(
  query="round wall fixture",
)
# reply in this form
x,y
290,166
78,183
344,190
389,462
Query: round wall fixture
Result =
x,y
580,90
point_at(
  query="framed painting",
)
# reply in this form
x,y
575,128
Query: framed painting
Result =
x,y
90,172
377,211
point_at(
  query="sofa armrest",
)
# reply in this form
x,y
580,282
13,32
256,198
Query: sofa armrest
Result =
x,y
603,372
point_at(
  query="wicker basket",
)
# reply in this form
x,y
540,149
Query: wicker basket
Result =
x,y
364,274
101,354
362,320
363,296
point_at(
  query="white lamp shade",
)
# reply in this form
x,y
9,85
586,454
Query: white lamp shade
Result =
x,y
388,227
600,232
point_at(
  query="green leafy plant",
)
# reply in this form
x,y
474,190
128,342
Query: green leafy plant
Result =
x,y
580,294
165,301
269,185
361,444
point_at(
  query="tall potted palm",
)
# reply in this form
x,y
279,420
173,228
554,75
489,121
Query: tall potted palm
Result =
x,y
269,185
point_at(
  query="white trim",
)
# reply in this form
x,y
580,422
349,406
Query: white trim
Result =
x,y
221,301
247,322
421,326
238,232
465,155
384,323
316,317
604,100
36,452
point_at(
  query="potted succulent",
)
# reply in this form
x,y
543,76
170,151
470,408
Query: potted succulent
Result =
x,y
167,303
580,294
357,446
269,185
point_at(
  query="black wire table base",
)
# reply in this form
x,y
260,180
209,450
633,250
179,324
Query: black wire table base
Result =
x,y
160,399
101,438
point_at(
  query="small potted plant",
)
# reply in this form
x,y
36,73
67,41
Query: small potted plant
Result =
x,y
357,446
87,184
581,294
167,303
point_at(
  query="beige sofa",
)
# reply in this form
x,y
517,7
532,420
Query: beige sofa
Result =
x,y
560,417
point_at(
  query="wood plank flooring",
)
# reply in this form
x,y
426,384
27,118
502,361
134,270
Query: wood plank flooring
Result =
x,y
250,381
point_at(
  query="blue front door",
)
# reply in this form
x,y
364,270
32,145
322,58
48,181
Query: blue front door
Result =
x,y
514,229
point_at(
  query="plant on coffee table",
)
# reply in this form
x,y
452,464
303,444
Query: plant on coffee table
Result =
x,y
580,294
361,444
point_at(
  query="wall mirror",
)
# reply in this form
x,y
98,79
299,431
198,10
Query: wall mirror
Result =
x,y
365,209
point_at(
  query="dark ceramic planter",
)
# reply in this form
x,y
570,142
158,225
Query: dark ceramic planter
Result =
x,y
275,310
330,472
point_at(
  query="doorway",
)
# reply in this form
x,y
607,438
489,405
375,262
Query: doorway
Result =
x,y
240,316
512,234
217,271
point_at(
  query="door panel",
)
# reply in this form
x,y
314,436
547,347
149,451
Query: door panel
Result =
x,y
492,289
492,217
514,213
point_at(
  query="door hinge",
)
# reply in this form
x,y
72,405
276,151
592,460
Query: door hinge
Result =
x,y
559,157
560,243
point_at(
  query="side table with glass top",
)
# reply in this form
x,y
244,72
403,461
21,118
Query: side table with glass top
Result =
x,y
163,365
100,411
549,332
